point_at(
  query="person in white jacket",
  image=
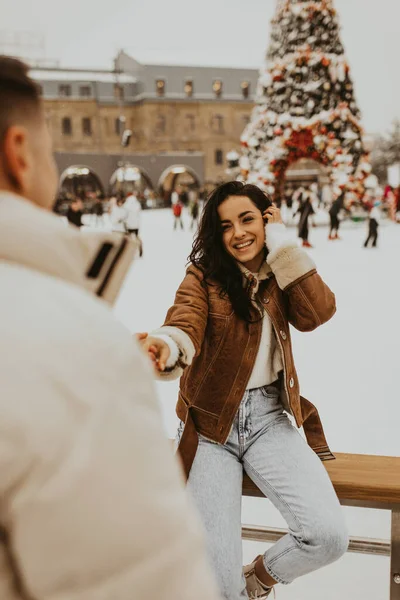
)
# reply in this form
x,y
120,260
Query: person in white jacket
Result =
x,y
92,503
133,210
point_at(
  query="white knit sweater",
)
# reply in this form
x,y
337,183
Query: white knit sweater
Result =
x,y
287,261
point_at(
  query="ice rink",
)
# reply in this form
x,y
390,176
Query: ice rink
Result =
x,y
349,368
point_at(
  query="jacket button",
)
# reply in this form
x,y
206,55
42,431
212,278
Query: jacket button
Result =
x,y
266,300
291,382
283,334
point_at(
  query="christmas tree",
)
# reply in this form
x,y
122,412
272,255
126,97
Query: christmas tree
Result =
x,y
305,105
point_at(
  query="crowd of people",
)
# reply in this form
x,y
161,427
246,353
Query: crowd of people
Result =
x,y
93,503
300,205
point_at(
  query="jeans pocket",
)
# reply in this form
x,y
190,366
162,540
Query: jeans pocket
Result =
x,y
270,392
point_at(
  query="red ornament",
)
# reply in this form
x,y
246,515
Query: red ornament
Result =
x,y
278,131
331,135
325,62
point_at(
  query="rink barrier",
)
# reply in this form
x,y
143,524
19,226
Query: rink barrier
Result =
x,y
361,480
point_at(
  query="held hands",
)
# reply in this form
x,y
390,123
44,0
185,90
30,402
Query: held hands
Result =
x,y
272,215
157,350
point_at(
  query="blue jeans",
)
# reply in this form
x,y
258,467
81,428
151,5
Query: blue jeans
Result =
x,y
265,444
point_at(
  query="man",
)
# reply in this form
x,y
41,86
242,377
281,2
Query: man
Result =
x,y
75,212
132,222
91,501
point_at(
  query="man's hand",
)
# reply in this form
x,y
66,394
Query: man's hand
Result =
x,y
157,350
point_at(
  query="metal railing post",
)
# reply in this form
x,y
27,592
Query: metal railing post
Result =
x,y
395,556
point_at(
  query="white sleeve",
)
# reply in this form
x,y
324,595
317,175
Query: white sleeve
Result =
x,y
287,260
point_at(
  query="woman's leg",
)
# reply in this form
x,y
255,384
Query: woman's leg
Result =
x,y
291,475
369,236
375,236
215,482
332,219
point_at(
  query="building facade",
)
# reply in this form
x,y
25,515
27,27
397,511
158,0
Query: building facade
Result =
x,y
182,120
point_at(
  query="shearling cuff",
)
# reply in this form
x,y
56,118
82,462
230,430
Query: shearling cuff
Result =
x,y
289,263
182,351
173,348
276,236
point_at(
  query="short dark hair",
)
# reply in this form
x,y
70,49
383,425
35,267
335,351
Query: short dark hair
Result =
x,y
208,251
20,97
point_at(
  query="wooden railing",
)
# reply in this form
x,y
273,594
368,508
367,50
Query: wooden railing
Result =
x,y
360,480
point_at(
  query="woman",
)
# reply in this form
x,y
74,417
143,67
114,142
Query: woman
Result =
x,y
334,211
228,335
305,210
373,225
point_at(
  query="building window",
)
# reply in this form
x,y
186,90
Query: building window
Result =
x,y
118,92
245,85
86,126
217,123
161,124
189,88
119,125
64,90
160,87
85,91
191,122
66,126
219,157
217,87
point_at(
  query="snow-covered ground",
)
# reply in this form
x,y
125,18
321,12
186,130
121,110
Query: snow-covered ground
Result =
x,y
349,368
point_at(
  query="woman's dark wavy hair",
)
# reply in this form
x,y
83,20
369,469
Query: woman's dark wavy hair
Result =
x,y
208,251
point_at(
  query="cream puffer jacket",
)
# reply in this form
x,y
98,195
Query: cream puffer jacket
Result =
x,y
92,504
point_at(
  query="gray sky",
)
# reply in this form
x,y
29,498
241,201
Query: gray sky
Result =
x,y
88,33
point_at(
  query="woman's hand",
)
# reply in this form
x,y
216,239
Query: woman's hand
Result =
x,y
272,215
157,350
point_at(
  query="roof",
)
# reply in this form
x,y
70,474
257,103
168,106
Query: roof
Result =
x,y
81,75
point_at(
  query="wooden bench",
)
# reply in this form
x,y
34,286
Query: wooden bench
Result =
x,y
359,480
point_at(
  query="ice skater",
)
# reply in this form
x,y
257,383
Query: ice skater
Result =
x,y
194,213
334,211
133,210
177,211
373,225
305,210
228,334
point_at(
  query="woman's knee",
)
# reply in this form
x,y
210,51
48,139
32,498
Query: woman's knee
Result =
x,y
328,542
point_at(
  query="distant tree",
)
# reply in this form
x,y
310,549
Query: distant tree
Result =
x,y
393,143
386,152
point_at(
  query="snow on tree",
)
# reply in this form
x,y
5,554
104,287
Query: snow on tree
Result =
x,y
305,104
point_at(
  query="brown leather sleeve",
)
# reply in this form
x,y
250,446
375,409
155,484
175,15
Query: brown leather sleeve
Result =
x,y
190,309
309,302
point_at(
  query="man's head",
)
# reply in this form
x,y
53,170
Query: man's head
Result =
x,y
27,165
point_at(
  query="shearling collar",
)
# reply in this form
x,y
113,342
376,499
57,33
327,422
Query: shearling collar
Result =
x,y
39,240
265,272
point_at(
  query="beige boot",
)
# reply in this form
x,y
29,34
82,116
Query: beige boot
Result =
x,y
255,589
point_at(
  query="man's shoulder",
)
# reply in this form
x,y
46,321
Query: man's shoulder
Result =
x,y
34,303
